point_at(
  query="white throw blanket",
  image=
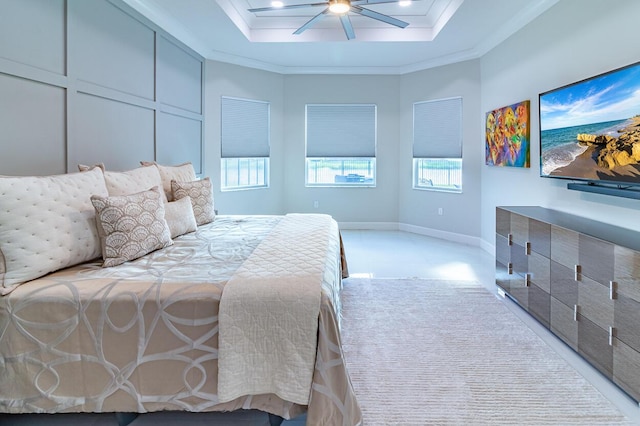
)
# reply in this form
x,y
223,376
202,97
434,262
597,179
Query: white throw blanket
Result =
x,y
269,312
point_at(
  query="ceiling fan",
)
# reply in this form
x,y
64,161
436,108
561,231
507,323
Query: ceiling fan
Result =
x,y
341,8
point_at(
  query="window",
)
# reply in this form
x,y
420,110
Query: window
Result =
x,y
341,145
437,145
245,144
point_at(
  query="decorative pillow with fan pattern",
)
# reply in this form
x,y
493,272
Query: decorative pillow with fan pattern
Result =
x,y
131,226
201,194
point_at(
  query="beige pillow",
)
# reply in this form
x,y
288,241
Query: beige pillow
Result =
x,y
181,173
201,194
133,181
179,217
131,226
85,168
47,223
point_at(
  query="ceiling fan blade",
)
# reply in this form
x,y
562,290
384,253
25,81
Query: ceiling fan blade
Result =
x,y
292,6
348,28
312,21
379,16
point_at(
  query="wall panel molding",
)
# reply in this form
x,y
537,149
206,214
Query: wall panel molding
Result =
x,y
179,112
113,94
111,49
30,72
176,140
118,134
177,70
35,109
32,32
106,102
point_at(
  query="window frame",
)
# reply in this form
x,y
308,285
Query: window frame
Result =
x,y
347,183
439,153
440,188
258,148
223,177
369,179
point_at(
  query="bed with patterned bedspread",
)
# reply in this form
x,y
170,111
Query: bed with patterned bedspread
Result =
x,y
159,333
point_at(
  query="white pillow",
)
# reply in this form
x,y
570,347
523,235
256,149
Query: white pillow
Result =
x,y
131,226
179,217
133,181
201,194
47,223
182,173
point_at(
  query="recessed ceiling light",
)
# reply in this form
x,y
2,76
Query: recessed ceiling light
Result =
x,y
277,4
404,2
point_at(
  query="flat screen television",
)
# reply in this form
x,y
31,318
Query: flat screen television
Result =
x,y
590,132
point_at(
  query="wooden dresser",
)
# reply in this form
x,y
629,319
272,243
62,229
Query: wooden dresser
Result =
x,y
579,278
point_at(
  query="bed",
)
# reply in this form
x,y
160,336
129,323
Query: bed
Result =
x,y
152,333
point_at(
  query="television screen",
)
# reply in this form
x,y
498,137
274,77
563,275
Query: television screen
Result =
x,y
590,130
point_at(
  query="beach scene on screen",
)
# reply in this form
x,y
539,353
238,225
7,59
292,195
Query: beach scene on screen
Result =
x,y
591,129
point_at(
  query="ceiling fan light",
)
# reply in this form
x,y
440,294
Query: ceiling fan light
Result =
x,y
339,6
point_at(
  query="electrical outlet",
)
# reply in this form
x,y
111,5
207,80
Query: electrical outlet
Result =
x,y
439,211
315,204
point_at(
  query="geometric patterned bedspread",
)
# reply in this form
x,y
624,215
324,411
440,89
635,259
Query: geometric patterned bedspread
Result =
x,y
143,336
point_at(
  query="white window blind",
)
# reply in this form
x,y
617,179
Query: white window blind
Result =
x,y
437,128
245,128
341,130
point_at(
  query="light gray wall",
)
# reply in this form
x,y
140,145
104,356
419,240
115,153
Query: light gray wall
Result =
x,y
32,87
392,200
379,204
460,211
84,82
574,40
223,79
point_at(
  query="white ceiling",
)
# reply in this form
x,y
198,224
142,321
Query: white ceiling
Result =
x,y
440,32
425,19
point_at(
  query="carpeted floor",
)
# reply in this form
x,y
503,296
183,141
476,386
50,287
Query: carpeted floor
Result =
x,y
425,352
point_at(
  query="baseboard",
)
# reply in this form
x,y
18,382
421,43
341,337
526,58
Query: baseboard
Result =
x,y
488,247
443,235
369,226
394,226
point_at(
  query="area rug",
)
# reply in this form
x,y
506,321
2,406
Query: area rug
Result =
x,y
425,352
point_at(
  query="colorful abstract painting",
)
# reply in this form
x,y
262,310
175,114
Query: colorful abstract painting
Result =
x,y
507,136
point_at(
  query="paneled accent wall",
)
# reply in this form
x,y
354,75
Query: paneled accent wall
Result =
x,y
87,81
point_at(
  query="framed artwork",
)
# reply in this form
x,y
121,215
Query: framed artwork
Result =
x,y
507,136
